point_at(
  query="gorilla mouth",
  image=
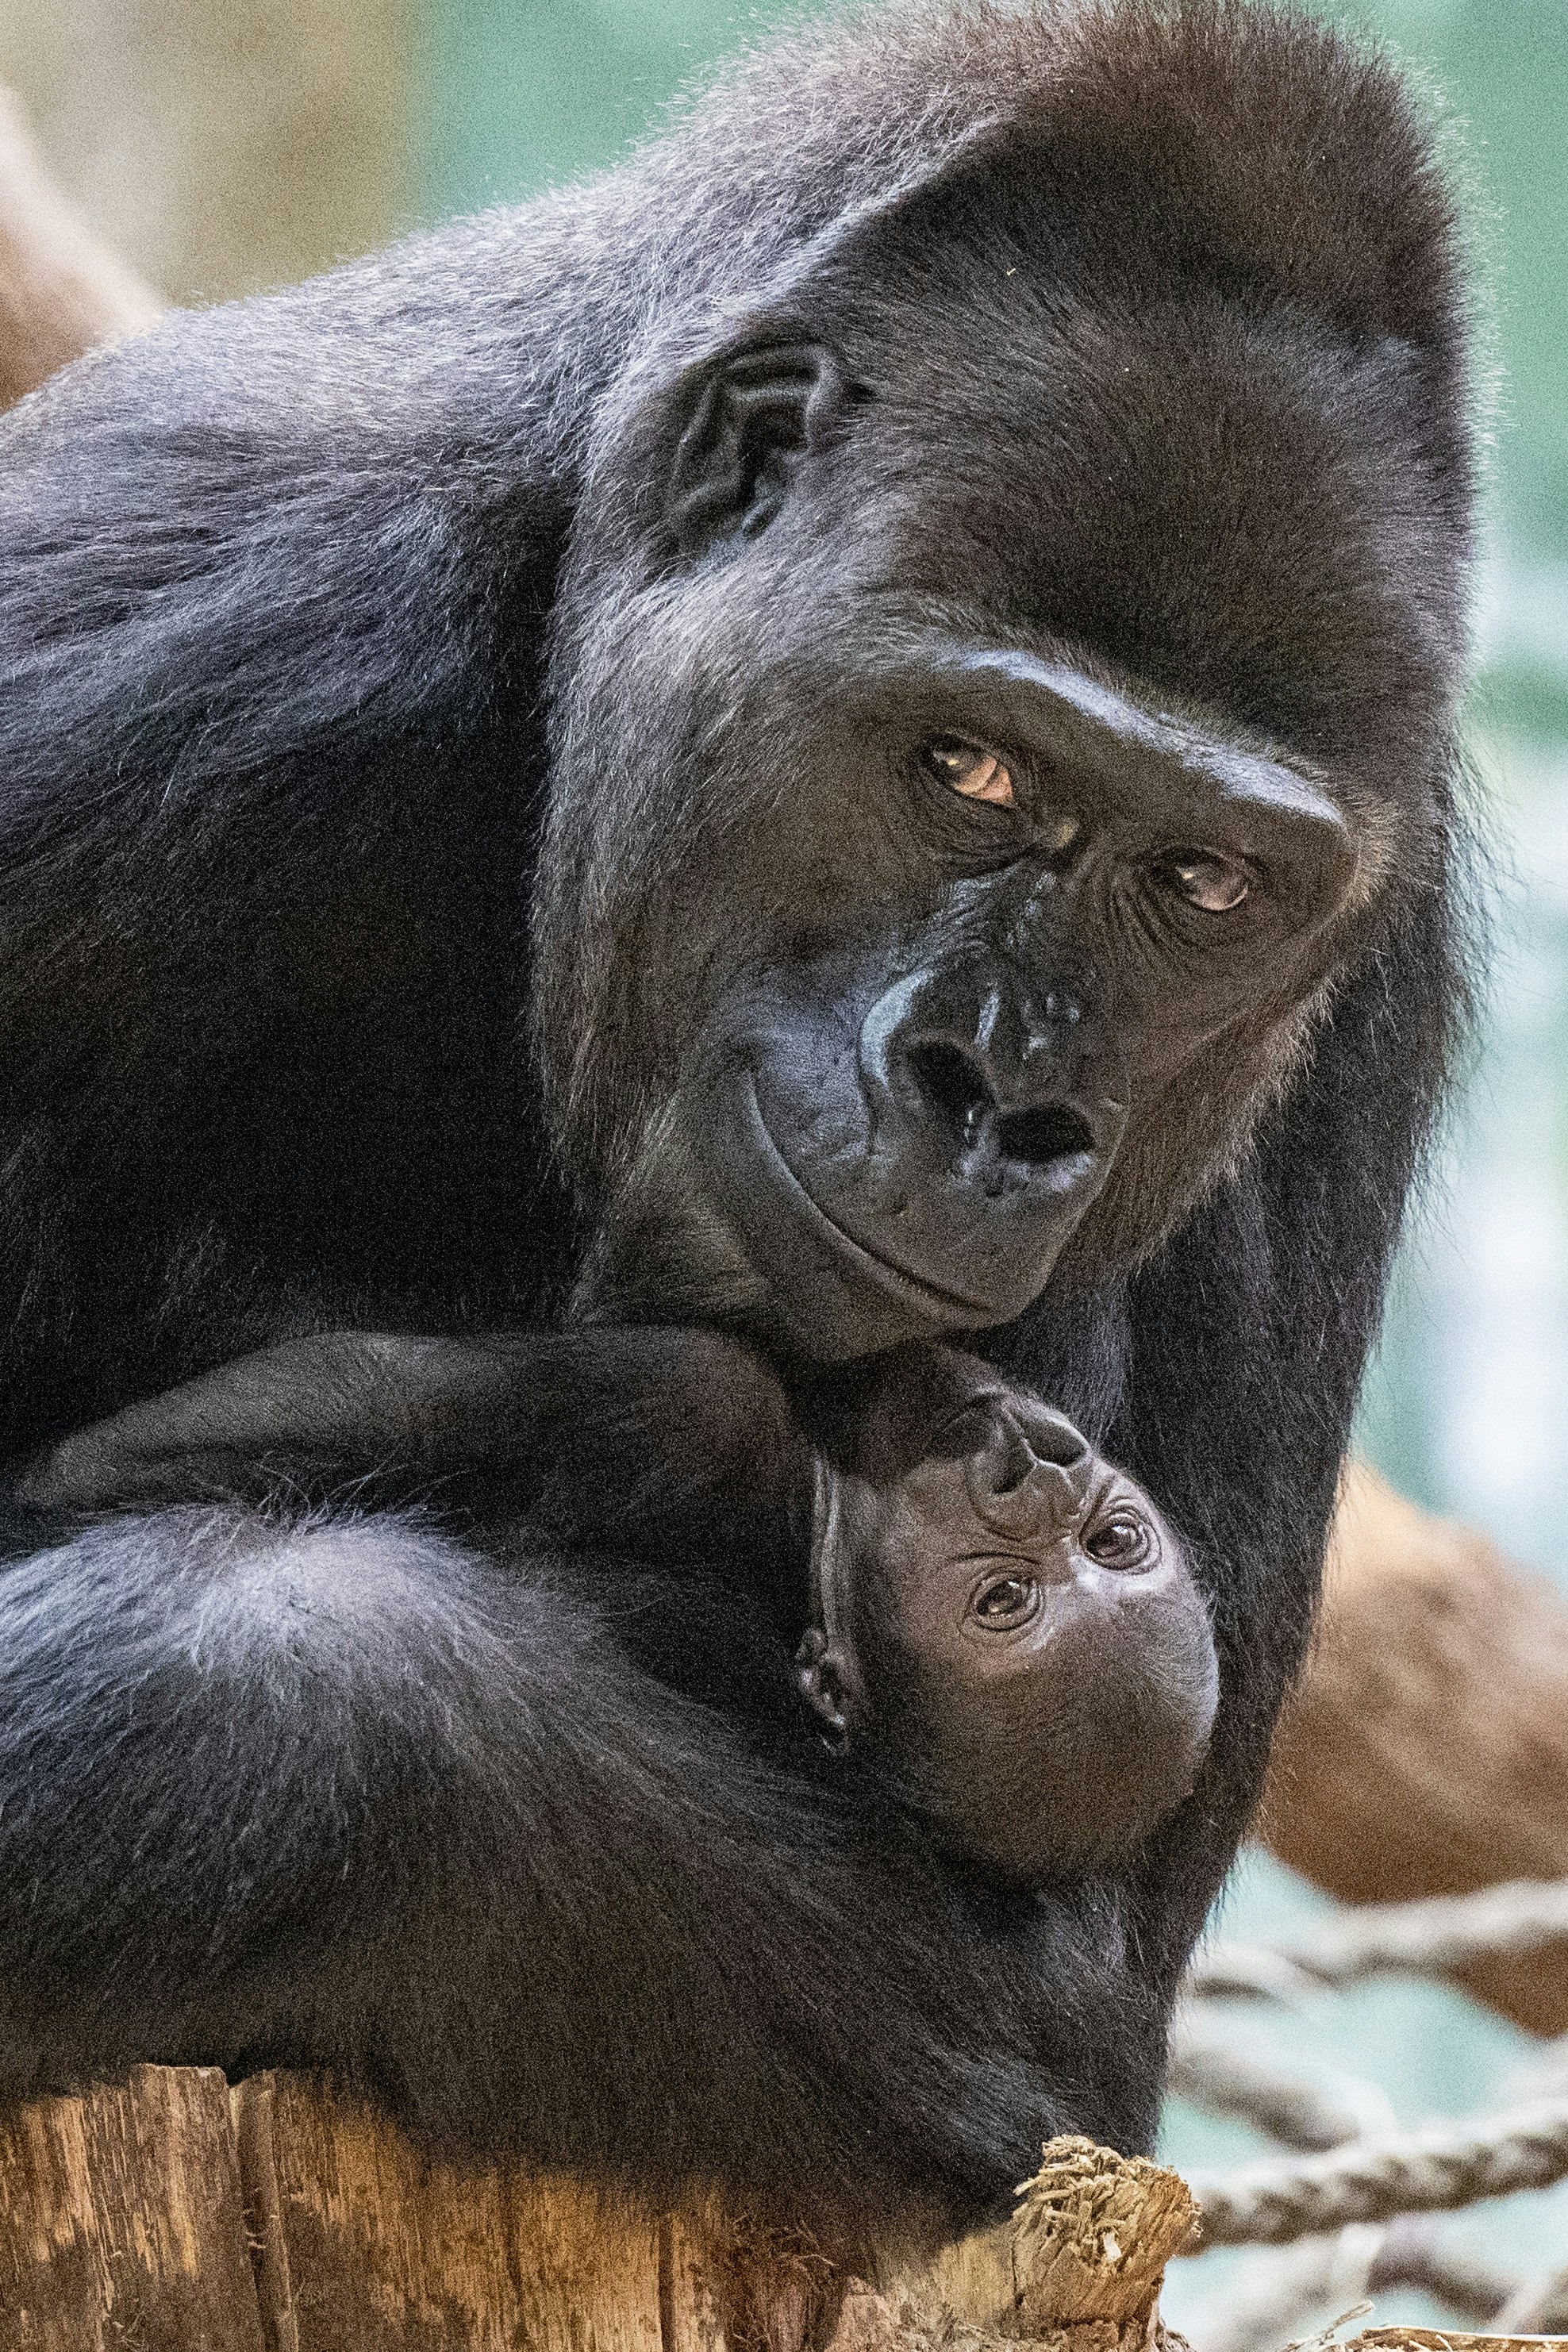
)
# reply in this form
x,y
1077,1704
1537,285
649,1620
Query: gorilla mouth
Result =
x,y
900,1282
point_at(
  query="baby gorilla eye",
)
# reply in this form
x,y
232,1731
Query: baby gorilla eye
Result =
x,y
964,768
1123,1541
1211,884
1005,1601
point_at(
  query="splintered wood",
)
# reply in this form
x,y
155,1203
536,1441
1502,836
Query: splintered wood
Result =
x,y
1079,2269
1090,2241
169,2215
122,2221
172,2215
1441,2339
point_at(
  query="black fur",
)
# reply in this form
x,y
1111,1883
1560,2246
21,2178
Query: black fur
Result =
x,y
276,609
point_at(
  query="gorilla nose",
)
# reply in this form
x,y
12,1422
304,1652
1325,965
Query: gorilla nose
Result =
x,y
1030,1471
986,1130
995,1077
918,1151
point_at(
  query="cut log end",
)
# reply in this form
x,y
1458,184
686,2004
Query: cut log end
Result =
x,y
1079,2269
1093,2234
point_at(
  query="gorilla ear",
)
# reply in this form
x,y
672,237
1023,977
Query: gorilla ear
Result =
x,y
830,1684
759,414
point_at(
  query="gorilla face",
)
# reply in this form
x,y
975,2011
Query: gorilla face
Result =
x,y
921,999
895,950
1005,1619
904,1129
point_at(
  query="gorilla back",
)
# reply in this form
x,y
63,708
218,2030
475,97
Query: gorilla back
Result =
x,y
850,731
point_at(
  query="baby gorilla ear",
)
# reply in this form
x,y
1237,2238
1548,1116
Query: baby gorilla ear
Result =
x,y
829,1684
760,414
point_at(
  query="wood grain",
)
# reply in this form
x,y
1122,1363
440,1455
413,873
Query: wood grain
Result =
x,y
369,2246
1078,2269
169,2214
121,2224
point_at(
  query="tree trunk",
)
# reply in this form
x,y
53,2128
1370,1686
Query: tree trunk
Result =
x,y
62,291
174,2215
1426,1752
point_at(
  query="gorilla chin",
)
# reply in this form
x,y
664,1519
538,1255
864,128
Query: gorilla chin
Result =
x,y
834,1292
881,1181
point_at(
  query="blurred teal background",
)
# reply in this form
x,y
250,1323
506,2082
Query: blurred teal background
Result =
x,y
519,94
1467,1404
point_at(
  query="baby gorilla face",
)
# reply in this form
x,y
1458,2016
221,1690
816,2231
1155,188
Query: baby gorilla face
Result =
x,y
1007,1620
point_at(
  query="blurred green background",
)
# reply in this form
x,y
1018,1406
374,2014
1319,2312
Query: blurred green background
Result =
x,y
226,145
519,94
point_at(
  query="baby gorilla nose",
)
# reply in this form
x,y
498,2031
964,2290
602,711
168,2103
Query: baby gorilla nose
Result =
x,y
1029,1467
1040,1435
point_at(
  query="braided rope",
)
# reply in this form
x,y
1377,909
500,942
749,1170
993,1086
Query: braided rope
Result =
x,y
1432,1937
1432,2171
1304,2107
1537,2307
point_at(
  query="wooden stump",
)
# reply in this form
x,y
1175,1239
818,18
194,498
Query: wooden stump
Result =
x,y
172,2215
169,2214
1093,2234
123,2222
1079,2269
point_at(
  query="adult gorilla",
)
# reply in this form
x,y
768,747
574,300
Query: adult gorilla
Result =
x,y
848,731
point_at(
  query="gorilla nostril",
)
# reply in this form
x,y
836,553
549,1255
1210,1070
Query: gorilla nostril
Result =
x,y
955,1086
1036,1136
952,1084
1051,1438
1018,1437
1009,1457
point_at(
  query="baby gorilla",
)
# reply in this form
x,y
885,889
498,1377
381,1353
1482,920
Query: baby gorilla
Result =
x,y
1001,1626
1003,1618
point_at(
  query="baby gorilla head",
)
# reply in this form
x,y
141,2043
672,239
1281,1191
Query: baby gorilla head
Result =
x,y
1006,1621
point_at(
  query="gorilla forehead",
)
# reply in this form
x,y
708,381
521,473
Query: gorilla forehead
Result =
x,y
1247,537
1112,406
1224,494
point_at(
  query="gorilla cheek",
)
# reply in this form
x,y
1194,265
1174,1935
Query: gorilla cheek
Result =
x,y
899,1160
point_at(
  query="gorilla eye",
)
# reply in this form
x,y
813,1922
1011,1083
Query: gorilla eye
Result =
x,y
1005,1601
1211,883
965,768
1123,1541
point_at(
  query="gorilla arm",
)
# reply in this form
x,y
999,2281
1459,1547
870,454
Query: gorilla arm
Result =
x,y
677,1434
273,589
343,1794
